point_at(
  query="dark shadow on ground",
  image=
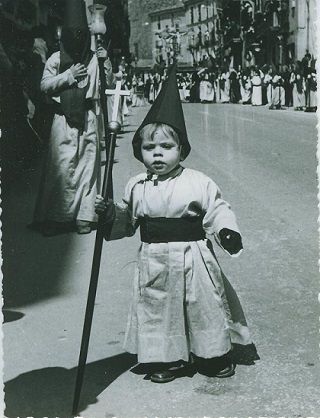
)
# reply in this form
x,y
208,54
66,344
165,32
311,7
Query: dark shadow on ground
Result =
x,y
32,264
10,316
49,392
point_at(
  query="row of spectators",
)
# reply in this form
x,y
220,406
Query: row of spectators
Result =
x,y
293,86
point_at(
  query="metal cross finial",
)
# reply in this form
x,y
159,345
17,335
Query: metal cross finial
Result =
x,y
117,92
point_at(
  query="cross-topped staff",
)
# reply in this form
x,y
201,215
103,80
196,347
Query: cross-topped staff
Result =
x,y
117,92
113,127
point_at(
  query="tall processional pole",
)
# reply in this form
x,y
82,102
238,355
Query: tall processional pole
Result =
x,y
110,132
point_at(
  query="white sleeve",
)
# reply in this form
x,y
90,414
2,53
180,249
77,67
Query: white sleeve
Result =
x,y
52,82
218,213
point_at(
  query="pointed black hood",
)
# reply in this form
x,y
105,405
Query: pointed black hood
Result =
x,y
75,35
74,48
166,109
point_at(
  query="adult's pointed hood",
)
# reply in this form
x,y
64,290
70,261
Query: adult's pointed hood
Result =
x,y
75,34
74,49
166,109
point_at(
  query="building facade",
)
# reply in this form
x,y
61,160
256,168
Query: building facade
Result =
x,y
222,32
171,29
168,36
303,21
142,37
201,19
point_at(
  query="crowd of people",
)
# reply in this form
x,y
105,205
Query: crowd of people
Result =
x,y
26,115
50,101
277,88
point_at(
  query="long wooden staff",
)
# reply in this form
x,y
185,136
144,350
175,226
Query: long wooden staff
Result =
x,y
111,130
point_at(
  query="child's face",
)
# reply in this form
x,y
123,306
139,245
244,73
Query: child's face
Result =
x,y
161,154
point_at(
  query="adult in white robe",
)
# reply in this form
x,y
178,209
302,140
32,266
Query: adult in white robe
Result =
x,y
225,87
299,100
71,174
134,91
181,303
278,93
245,89
206,91
183,91
157,86
217,88
152,92
311,90
256,82
268,83
140,90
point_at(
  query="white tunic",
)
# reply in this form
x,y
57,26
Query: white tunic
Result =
x,y
278,93
217,88
311,94
256,98
71,174
299,99
245,89
268,82
184,92
225,92
181,300
206,91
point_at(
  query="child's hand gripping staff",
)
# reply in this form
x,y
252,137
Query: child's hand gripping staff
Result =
x,y
105,209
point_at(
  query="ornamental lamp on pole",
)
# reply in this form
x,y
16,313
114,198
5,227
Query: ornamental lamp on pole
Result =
x,y
98,26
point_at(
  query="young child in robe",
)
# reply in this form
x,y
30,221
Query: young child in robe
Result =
x,y
183,307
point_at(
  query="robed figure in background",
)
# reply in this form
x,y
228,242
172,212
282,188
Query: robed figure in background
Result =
x,y
225,86
235,95
256,83
245,87
311,90
297,81
278,93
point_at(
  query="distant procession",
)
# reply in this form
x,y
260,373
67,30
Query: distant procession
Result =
x,y
293,87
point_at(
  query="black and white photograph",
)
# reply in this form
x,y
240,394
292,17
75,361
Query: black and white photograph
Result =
x,y
159,208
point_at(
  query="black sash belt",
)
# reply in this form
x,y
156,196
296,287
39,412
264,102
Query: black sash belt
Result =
x,y
156,230
89,105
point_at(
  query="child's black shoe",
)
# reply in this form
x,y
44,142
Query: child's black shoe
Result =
x,y
215,367
165,376
227,371
173,371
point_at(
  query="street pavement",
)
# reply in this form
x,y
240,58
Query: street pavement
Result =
x,y
265,163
